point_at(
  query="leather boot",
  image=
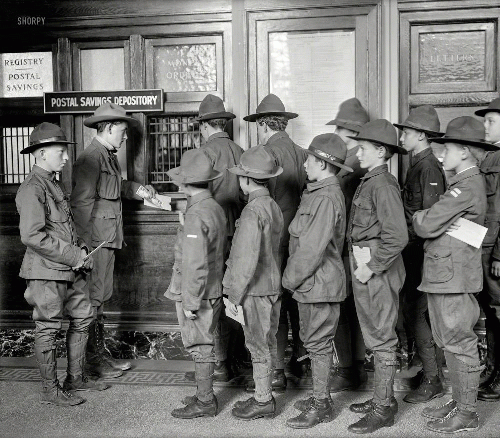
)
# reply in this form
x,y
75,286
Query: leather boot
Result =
x,y
82,383
456,421
367,406
383,379
221,373
204,372
468,383
430,388
380,416
95,364
278,383
319,411
344,379
440,412
197,409
491,391
122,365
251,409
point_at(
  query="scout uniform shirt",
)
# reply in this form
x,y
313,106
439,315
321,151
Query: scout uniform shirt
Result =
x,y
286,189
315,270
377,218
47,228
96,196
223,154
199,253
450,265
425,182
490,168
253,267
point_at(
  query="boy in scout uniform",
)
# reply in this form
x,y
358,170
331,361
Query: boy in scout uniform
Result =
x,y
223,154
97,207
377,235
350,372
253,276
425,182
315,270
196,285
452,273
272,120
489,298
54,267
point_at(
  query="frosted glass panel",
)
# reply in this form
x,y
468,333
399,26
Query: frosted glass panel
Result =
x,y
102,69
312,73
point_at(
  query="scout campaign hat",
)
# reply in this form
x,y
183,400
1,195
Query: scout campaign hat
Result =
x,y
212,107
422,118
45,134
493,107
351,115
381,132
466,130
330,148
256,163
271,105
109,112
195,168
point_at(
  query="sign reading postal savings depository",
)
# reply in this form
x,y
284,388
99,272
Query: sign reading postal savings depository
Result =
x,y
78,102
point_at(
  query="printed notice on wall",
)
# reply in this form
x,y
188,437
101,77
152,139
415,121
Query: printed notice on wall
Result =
x,y
312,73
26,74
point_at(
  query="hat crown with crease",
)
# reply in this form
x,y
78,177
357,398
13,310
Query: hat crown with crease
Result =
x,y
422,118
330,148
351,115
270,105
493,107
109,112
195,168
212,107
45,134
381,132
256,163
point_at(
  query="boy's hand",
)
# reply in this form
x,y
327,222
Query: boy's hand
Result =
x,y
453,227
232,308
189,314
81,261
495,268
363,273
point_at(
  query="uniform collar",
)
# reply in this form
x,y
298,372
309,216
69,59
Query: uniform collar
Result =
x,y
51,176
383,168
109,147
420,156
218,135
330,181
197,198
275,137
471,171
258,193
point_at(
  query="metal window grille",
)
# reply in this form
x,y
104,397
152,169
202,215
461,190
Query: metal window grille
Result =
x,y
15,167
169,138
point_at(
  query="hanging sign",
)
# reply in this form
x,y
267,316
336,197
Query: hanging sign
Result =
x,y
79,102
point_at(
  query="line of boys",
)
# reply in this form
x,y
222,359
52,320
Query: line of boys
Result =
x,y
376,234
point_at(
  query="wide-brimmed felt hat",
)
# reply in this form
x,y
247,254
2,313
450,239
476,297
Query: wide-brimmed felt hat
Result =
x,y
256,163
45,134
109,112
212,107
195,168
422,118
351,115
330,148
493,107
466,130
381,132
271,105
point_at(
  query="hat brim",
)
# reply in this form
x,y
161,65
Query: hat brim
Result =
x,y
254,117
396,149
416,128
211,116
345,125
34,147
342,166
91,121
483,112
179,178
479,144
238,170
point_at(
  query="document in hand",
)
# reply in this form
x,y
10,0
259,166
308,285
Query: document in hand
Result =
x,y
159,201
468,232
240,317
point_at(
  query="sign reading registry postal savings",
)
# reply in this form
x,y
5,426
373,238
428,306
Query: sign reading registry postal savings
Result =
x,y
78,102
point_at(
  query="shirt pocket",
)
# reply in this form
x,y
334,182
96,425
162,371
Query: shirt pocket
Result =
x,y
56,210
301,218
413,194
104,226
109,185
438,265
363,211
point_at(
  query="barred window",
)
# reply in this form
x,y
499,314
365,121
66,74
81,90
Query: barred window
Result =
x,y
15,167
169,137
